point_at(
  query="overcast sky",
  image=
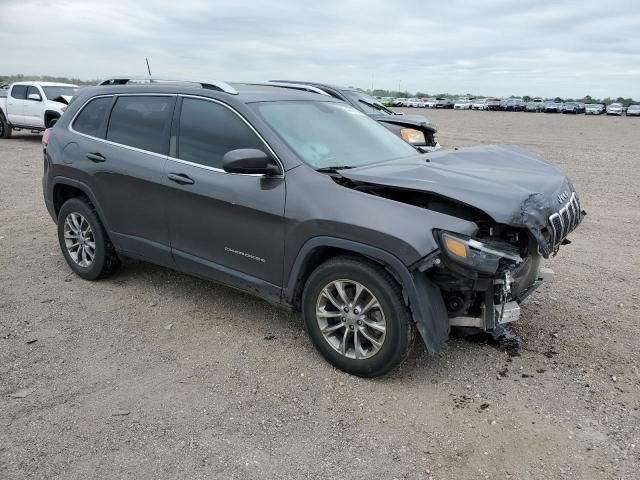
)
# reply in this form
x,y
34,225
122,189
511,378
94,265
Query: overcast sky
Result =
x,y
494,47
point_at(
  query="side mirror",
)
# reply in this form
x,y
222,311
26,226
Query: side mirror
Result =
x,y
35,96
249,161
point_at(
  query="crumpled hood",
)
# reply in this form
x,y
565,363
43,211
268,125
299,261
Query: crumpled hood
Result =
x,y
508,183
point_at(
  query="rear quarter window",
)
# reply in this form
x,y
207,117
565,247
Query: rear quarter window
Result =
x,y
141,122
93,117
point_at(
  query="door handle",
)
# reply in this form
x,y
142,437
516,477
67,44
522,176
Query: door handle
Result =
x,y
180,178
96,157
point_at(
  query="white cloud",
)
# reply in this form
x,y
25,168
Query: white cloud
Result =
x,y
496,47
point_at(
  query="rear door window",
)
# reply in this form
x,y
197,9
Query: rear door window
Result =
x,y
19,92
208,130
142,122
93,117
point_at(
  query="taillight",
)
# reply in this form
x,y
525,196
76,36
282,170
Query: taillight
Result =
x,y
45,137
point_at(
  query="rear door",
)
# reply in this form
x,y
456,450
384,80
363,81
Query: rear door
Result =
x,y
228,227
15,104
125,160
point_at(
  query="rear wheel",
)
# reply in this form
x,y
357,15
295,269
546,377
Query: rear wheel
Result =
x,y
84,242
5,128
356,316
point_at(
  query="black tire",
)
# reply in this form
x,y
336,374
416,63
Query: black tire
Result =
x,y
105,260
52,121
5,128
400,328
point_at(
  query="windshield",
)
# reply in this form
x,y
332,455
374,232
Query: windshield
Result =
x,y
366,103
54,92
328,134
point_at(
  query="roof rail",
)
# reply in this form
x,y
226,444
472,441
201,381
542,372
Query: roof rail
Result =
x,y
212,85
294,86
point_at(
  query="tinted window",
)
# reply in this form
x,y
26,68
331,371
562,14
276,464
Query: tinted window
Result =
x,y
208,131
19,92
92,116
141,122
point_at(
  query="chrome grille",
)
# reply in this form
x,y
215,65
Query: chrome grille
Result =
x,y
564,222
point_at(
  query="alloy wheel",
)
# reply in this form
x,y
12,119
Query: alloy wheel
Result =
x,y
351,319
79,239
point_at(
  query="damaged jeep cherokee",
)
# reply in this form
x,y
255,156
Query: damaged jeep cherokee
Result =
x,y
304,201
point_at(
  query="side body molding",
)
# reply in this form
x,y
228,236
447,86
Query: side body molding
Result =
x,y
420,294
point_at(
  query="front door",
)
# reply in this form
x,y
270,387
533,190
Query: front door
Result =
x,y
223,226
33,111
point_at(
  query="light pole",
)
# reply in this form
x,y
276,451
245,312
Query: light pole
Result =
x,y
399,83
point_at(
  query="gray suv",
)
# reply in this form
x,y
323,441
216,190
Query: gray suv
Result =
x,y
302,200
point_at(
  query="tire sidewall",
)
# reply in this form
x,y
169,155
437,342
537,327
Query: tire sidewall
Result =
x,y
398,335
76,205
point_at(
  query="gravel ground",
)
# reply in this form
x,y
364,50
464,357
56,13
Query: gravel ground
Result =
x,y
154,374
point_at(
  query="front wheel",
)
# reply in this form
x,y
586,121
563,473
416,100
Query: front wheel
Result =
x,y
356,317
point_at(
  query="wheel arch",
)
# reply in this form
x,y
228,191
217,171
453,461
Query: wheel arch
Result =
x,y
50,115
421,295
63,188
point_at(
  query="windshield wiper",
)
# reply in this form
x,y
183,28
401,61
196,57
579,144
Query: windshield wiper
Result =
x,y
333,168
377,106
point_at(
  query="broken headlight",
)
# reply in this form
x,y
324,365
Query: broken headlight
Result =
x,y
413,136
475,254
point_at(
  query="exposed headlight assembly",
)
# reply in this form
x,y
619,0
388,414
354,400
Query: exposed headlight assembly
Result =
x,y
473,253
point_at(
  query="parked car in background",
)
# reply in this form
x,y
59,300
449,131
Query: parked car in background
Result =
x,y
399,102
387,101
572,107
615,109
414,103
416,130
633,111
552,107
594,109
300,199
462,104
514,105
479,104
443,103
492,104
33,106
430,102
535,106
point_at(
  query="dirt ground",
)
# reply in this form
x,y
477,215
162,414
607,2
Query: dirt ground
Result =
x,y
154,374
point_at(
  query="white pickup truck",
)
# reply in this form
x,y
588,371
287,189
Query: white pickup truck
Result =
x,y
33,106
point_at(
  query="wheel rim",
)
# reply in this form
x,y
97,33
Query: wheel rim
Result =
x,y
79,239
351,319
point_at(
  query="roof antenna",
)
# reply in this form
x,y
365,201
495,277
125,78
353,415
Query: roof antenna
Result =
x,y
148,68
